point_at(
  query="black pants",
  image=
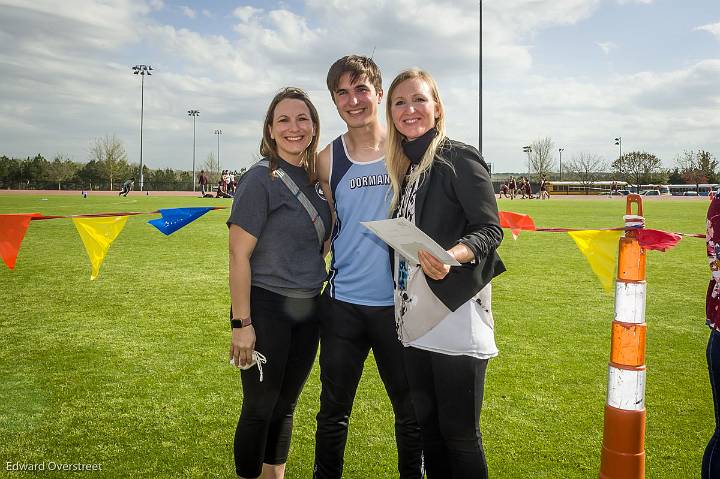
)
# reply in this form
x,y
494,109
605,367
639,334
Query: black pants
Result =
x,y
711,458
287,333
348,332
447,392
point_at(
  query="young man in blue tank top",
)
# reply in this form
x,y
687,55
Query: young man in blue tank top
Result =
x,y
358,312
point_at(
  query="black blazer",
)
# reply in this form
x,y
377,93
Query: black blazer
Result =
x,y
455,203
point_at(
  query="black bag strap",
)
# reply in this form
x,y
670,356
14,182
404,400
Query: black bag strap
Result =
x,y
304,200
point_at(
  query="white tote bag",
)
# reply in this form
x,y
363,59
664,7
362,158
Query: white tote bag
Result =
x,y
417,309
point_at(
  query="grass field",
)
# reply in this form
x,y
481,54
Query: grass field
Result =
x,y
130,371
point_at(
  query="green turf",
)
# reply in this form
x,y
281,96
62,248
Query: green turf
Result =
x,y
130,370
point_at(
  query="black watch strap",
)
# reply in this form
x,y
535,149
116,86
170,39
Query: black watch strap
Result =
x,y
240,323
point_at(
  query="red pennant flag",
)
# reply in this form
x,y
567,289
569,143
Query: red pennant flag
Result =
x,y
516,222
657,240
12,232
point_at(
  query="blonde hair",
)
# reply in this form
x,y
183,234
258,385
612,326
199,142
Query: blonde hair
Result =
x,y
395,158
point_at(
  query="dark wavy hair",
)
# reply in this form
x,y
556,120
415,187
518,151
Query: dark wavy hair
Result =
x,y
358,67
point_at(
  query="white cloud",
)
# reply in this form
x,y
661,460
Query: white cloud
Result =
x,y
713,28
606,46
661,112
78,26
246,13
509,28
206,54
207,13
279,31
188,12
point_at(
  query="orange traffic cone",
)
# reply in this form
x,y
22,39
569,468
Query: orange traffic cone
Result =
x,y
623,449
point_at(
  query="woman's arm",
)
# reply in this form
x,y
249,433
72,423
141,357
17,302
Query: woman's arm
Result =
x,y
241,246
713,241
476,196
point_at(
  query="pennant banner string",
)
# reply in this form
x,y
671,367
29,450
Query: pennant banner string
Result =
x,y
508,219
124,213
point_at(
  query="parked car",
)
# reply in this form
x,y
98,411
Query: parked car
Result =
x,y
623,192
690,193
651,193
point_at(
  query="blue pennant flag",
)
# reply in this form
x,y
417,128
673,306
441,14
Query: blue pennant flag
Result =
x,y
175,218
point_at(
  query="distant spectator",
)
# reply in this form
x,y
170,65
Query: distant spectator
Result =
x,y
512,185
711,458
231,184
127,187
222,191
543,189
203,181
504,189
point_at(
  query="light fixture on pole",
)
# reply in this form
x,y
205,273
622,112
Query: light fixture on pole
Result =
x,y
618,142
218,133
560,150
193,113
528,150
142,70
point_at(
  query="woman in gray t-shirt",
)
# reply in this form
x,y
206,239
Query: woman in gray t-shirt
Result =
x,y
276,274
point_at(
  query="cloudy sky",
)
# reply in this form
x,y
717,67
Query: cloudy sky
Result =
x,y
579,71
586,71
67,68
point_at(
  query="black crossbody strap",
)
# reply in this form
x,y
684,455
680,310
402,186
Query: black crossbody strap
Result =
x,y
304,200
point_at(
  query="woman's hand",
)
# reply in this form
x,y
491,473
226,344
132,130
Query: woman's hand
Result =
x,y
242,345
432,267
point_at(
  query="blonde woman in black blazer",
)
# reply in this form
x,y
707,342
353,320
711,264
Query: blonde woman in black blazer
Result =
x,y
443,313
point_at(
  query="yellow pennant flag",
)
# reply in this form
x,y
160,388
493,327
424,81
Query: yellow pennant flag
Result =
x,y
97,235
600,248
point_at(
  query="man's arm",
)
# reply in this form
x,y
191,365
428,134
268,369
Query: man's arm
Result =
x,y
323,170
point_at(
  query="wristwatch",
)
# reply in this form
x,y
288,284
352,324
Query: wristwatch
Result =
x,y
240,323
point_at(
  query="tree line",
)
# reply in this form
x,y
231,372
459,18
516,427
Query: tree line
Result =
x,y
106,168
635,167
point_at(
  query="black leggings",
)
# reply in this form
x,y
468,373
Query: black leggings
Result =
x,y
287,334
348,333
711,458
447,392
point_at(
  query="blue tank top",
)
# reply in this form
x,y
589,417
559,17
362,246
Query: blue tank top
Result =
x,y
360,267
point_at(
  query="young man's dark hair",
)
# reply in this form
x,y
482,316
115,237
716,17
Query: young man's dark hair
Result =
x,y
357,66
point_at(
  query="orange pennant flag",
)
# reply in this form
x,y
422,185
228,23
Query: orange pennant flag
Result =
x,y
12,232
657,240
516,222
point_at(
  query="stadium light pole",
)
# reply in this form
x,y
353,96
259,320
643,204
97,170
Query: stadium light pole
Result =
x,y
218,133
193,113
528,150
618,142
142,70
560,150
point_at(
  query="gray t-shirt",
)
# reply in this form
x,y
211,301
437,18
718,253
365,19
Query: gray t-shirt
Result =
x,y
287,258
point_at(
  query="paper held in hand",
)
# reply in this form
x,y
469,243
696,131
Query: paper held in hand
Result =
x,y
407,239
